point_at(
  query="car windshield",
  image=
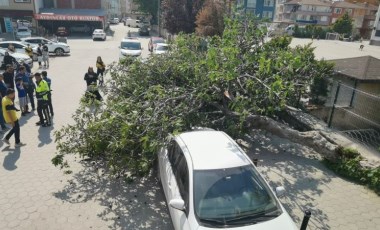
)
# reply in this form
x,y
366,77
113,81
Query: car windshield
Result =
x,y
162,48
232,196
131,45
22,30
98,31
158,41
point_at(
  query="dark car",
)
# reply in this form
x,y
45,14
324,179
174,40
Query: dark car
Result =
x,y
62,31
144,31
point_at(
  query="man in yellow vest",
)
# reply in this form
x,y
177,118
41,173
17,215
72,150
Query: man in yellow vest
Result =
x,y
29,51
42,91
10,117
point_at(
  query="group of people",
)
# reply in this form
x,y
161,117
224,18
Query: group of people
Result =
x,y
22,81
92,79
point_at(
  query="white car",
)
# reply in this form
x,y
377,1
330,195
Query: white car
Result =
x,y
130,47
18,56
210,183
19,47
23,32
59,48
114,21
161,48
99,34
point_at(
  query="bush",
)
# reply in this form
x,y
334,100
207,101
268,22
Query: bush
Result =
x,y
309,31
349,167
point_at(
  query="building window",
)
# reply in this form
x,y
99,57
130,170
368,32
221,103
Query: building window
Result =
x,y
251,3
338,10
267,14
349,11
377,34
268,2
4,2
22,1
324,19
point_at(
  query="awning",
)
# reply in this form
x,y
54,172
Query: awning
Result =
x,y
70,15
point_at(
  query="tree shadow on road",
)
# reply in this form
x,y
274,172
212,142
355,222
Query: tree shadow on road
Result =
x,y
10,160
299,170
136,205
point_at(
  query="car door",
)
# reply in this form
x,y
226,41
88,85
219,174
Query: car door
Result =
x,y
19,48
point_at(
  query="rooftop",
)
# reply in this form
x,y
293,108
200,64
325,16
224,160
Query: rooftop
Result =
x,y
213,150
365,68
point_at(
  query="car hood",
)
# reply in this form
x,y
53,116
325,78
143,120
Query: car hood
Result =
x,y
130,52
160,51
20,56
281,222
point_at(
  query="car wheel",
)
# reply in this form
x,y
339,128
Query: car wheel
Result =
x,y
59,52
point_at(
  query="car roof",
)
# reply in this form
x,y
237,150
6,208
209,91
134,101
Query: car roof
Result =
x,y
212,150
14,42
130,39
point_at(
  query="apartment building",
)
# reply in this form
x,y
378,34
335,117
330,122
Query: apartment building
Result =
x,y
307,12
259,8
375,35
363,15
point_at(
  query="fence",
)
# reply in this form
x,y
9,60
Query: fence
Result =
x,y
355,113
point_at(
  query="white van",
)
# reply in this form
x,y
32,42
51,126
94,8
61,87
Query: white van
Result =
x,y
130,22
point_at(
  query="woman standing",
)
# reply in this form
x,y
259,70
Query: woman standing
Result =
x,y
91,79
101,67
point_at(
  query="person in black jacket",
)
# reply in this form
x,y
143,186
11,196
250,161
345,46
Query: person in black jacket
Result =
x,y
91,79
9,77
39,55
9,60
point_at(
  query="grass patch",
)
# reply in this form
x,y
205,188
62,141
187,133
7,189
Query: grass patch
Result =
x,y
348,166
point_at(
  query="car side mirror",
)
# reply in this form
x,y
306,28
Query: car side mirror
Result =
x,y
280,191
178,204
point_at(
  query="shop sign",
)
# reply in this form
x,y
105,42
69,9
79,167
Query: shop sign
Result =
x,y
57,17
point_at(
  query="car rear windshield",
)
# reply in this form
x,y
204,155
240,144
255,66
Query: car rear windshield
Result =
x,y
131,45
22,30
232,196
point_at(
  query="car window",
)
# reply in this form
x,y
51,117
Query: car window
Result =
x,y
182,178
4,45
18,46
172,152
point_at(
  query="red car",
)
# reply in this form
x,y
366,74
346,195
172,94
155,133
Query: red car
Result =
x,y
153,41
62,31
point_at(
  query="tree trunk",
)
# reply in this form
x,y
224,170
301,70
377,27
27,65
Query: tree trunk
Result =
x,y
311,139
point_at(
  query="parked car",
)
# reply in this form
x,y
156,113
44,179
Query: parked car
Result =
x,y
23,32
58,48
130,22
161,48
19,47
23,23
144,31
153,41
18,56
130,47
210,183
99,34
114,21
80,28
62,31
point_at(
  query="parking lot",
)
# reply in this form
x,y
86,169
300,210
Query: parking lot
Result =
x,y
36,195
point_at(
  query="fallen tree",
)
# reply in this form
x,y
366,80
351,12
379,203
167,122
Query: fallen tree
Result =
x,y
233,83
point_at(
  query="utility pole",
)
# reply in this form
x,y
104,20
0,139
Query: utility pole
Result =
x,y
158,17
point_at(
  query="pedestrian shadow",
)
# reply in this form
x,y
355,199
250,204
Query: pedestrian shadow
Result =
x,y
300,171
10,160
44,135
136,205
24,119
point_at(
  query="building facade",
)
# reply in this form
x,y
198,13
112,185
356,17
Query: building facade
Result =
x,y
375,35
12,10
307,12
264,9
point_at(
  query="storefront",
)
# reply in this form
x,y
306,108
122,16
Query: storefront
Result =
x,y
8,19
51,19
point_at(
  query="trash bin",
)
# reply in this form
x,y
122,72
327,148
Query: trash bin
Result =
x,y
62,39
